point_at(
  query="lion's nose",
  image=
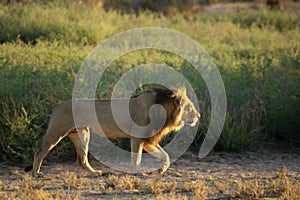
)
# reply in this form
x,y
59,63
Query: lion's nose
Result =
x,y
198,115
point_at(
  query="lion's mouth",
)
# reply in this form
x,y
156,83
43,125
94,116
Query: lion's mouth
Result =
x,y
192,124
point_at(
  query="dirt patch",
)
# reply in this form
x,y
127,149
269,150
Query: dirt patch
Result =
x,y
266,174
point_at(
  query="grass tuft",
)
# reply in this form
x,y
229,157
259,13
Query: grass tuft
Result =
x,y
43,45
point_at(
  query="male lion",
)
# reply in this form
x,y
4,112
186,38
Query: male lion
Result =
x,y
178,111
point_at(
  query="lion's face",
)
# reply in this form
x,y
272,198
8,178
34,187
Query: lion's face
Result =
x,y
190,115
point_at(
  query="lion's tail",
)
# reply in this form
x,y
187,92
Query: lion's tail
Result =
x,y
28,168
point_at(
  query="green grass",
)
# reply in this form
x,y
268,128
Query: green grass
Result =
x,y
42,47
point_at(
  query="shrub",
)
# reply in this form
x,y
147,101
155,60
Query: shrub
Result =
x,y
42,47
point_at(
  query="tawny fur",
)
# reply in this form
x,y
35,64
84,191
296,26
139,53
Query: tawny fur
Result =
x,y
179,110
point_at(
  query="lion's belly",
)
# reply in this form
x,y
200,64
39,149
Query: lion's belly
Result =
x,y
110,130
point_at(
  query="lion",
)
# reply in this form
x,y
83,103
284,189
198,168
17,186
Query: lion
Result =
x,y
179,110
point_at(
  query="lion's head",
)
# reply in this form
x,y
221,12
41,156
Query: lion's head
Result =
x,y
190,115
179,108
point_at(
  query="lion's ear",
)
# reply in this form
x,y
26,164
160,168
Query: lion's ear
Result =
x,y
182,90
179,94
179,99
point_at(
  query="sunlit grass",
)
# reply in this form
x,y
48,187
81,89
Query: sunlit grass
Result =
x,y
42,47
280,184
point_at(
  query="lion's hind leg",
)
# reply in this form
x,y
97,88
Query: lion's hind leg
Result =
x,y
80,138
49,142
158,152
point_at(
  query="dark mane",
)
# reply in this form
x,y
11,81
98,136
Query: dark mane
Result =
x,y
167,98
163,94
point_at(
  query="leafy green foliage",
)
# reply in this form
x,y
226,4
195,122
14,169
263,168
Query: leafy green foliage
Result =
x,y
281,21
42,47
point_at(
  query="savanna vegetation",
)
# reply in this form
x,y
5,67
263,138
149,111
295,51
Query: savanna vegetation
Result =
x,y
257,52
256,49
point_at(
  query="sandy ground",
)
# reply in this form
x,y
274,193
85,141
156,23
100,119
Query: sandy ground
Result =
x,y
220,175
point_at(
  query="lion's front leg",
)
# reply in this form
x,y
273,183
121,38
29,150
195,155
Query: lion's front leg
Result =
x,y
158,152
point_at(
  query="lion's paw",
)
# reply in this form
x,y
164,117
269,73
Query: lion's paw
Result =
x,y
38,175
98,172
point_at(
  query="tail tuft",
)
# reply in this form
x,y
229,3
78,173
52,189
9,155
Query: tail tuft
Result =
x,y
28,168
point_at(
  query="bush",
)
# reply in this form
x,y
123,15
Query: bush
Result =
x,y
31,85
39,58
277,20
166,7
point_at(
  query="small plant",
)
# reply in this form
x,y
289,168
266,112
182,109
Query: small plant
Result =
x,y
281,186
198,188
72,181
159,187
43,45
123,183
250,190
28,183
1,185
242,128
171,197
223,187
30,189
